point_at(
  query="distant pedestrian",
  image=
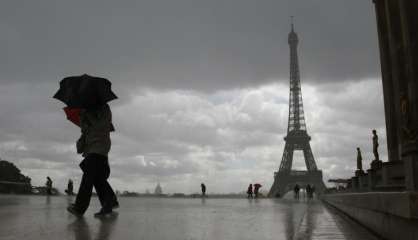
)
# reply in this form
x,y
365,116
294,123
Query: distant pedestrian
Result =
x,y
309,191
70,187
312,191
48,185
296,190
203,187
304,192
257,187
250,191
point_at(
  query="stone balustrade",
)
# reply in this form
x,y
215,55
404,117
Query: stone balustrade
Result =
x,y
391,176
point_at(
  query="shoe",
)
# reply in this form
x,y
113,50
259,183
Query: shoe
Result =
x,y
114,204
103,212
74,210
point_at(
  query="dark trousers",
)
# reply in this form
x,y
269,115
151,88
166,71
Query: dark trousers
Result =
x,y
96,171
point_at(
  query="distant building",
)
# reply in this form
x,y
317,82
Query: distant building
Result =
x,y
179,195
158,190
129,194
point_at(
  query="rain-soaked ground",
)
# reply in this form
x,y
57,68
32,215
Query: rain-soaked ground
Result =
x,y
39,217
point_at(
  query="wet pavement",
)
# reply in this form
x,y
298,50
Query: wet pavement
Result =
x,y
39,217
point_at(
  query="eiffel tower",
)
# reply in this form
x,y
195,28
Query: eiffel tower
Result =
x,y
297,137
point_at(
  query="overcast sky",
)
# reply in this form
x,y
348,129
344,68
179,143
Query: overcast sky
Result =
x,y
202,85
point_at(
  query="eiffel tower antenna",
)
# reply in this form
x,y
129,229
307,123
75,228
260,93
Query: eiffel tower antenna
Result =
x,y
297,137
291,22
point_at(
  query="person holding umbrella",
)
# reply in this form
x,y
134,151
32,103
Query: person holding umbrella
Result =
x,y
86,98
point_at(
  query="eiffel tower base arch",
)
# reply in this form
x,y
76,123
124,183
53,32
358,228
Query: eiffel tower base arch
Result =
x,y
285,181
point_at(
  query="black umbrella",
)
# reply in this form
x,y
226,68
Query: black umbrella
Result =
x,y
85,91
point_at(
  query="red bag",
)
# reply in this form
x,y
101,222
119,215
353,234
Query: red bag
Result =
x,y
73,114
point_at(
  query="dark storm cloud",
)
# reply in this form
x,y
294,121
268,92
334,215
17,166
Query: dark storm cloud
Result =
x,y
180,137
189,44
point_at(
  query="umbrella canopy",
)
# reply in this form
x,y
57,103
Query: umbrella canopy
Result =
x,y
73,114
85,91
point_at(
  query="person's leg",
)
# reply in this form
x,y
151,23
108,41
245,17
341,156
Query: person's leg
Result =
x,y
108,189
86,185
101,191
84,193
110,194
100,177
104,191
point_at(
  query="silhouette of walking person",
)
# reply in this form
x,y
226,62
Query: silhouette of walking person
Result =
x,y
70,187
309,191
94,144
312,191
203,187
48,185
250,191
296,190
304,192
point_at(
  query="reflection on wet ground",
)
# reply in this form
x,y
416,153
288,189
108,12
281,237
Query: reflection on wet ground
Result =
x,y
322,222
36,217
81,229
